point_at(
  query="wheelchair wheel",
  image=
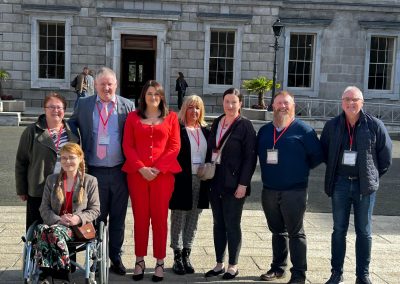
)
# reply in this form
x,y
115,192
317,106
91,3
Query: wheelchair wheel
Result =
x,y
29,268
103,251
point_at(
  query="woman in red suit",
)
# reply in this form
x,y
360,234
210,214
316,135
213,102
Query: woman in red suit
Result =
x,y
151,145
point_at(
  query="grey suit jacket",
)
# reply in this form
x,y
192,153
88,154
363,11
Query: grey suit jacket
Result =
x,y
88,210
81,121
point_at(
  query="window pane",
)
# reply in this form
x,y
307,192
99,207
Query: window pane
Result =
x,y
381,60
51,50
213,64
222,37
212,78
221,65
301,60
229,65
230,51
222,50
231,38
220,78
214,50
229,78
214,37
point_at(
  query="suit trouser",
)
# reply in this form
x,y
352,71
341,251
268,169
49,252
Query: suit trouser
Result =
x,y
113,192
150,201
32,211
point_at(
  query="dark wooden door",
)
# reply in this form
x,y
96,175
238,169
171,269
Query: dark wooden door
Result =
x,y
138,67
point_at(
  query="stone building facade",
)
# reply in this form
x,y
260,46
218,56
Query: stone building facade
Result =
x,y
216,44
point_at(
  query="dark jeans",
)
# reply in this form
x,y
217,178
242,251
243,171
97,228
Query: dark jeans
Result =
x,y
347,193
113,192
78,96
32,211
227,215
284,211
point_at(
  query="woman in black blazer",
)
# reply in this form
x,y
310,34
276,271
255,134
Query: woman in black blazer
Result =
x,y
235,165
190,194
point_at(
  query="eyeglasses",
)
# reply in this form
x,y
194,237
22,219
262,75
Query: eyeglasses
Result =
x,y
68,158
57,108
353,100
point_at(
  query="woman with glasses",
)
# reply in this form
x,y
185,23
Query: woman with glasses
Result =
x,y
70,198
38,154
151,145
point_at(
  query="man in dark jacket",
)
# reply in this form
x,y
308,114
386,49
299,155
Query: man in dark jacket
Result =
x,y
288,148
358,151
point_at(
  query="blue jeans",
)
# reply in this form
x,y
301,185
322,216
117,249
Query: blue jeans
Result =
x,y
78,96
347,193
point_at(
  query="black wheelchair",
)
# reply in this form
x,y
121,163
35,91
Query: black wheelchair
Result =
x,y
96,261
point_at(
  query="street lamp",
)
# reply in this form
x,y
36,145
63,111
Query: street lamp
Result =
x,y
277,27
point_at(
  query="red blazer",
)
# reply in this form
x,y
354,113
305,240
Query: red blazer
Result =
x,y
151,145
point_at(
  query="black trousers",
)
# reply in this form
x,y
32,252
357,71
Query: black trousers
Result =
x,y
284,211
227,215
32,211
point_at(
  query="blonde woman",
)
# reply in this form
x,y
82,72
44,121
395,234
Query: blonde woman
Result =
x,y
190,195
70,198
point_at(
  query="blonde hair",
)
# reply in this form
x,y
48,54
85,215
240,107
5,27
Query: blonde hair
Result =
x,y
72,148
192,100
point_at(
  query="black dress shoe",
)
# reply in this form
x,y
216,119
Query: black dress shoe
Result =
x,y
118,268
212,272
156,278
272,275
228,276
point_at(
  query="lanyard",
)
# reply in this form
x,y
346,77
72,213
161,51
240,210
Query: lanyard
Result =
x,y
108,116
68,201
222,129
283,131
351,136
58,138
196,139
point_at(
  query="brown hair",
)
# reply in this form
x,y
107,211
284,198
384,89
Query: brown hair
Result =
x,y
56,96
233,91
142,100
72,148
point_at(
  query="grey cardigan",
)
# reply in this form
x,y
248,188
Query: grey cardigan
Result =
x,y
88,210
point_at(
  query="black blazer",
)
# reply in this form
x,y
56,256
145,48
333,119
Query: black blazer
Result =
x,y
182,196
238,158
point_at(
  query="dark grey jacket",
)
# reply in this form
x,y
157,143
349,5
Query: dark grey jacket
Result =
x,y
374,148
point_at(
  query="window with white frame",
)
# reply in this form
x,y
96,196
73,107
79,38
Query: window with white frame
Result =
x,y
51,50
223,57
381,62
301,60
222,50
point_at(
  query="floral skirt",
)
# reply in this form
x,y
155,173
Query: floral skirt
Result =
x,y
51,250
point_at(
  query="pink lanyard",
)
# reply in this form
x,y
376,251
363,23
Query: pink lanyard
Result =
x,y
71,193
198,137
223,132
108,116
351,136
58,138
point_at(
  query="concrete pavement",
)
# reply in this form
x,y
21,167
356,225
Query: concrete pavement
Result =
x,y
255,255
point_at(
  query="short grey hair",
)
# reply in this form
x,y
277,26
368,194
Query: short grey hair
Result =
x,y
353,89
105,71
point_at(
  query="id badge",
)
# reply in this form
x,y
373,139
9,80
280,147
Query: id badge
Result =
x,y
272,156
215,158
104,140
196,159
349,158
57,167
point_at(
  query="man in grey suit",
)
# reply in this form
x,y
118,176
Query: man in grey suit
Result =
x,y
100,120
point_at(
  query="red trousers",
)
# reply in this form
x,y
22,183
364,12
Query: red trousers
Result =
x,y
150,201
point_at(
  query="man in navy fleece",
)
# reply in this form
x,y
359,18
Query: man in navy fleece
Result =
x,y
287,148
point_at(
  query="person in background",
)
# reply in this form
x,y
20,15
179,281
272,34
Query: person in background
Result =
x,y
235,165
100,120
287,150
151,145
181,86
358,151
38,154
90,80
190,194
70,198
81,87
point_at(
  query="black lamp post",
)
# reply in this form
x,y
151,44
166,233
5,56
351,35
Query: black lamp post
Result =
x,y
277,27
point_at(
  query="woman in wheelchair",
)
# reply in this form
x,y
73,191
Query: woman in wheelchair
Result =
x,y
70,198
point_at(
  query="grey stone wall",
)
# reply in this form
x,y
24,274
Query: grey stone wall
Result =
x,y
343,40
